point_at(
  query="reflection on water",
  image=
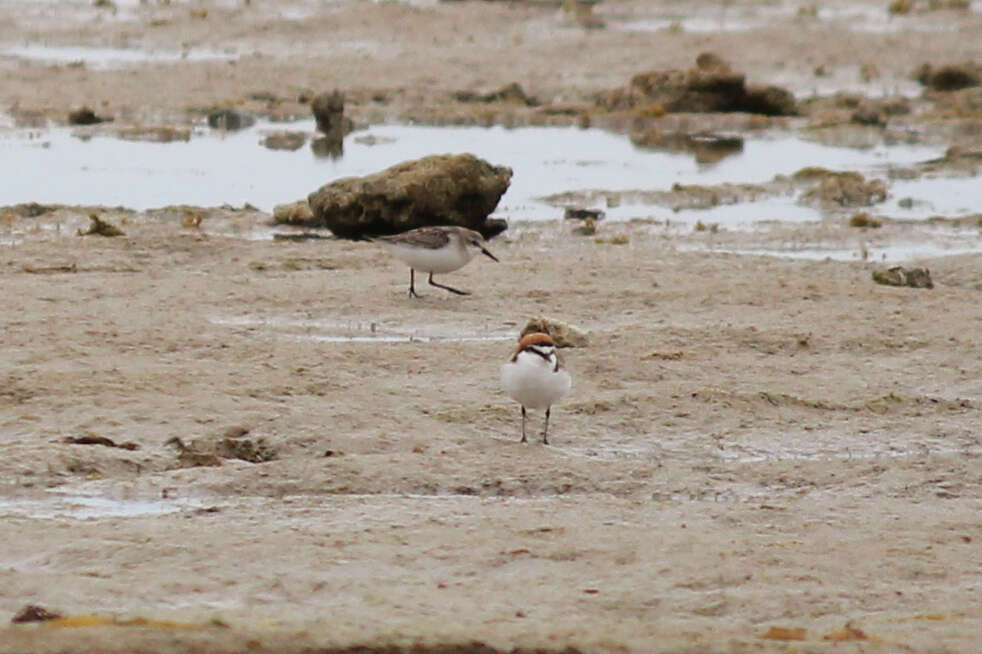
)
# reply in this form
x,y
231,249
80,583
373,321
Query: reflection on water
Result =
x,y
216,168
746,214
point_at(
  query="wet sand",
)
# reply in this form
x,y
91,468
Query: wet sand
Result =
x,y
757,451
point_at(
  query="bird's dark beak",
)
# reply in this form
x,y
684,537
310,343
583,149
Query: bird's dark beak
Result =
x,y
485,251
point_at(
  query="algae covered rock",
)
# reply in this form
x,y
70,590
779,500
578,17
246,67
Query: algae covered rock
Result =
x,y
563,334
449,189
900,276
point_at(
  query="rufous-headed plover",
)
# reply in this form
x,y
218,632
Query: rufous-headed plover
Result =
x,y
534,377
432,250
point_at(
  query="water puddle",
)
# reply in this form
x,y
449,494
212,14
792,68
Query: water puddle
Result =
x,y
359,331
84,507
892,253
216,168
744,214
852,16
108,58
754,455
918,199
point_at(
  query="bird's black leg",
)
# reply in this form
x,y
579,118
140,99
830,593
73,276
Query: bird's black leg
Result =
x,y
524,440
447,288
545,430
412,283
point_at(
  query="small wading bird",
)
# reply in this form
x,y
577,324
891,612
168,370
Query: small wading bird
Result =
x,y
435,250
535,377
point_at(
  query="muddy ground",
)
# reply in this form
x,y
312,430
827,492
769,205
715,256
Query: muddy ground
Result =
x,y
758,454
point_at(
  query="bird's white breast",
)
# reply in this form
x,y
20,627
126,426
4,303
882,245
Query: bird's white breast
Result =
x,y
533,381
441,260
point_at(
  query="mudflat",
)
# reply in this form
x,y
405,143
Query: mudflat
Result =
x,y
214,444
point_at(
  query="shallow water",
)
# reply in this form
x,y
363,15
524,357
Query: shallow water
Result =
x,y
744,214
933,243
365,331
917,199
83,507
108,58
81,167
842,14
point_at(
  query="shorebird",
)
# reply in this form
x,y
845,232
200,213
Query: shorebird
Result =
x,y
534,377
433,250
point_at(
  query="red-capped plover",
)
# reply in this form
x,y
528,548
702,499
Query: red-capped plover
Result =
x,y
432,250
534,377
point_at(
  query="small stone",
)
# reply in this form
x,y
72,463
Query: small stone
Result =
x,y
230,119
101,227
950,77
868,115
328,110
512,93
864,220
85,116
846,189
563,334
235,431
285,140
578,213
34,613
900,276
293,213
30,209
588,228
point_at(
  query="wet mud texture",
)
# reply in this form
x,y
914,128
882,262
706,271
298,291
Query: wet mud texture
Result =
x,y
741,435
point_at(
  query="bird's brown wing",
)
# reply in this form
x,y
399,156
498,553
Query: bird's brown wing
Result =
x,y
427,237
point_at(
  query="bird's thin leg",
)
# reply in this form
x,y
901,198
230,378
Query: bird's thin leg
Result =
x,y
545,430
524,440
447,288
412,283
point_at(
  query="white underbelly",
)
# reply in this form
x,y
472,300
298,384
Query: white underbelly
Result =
x,y
443,260
532,382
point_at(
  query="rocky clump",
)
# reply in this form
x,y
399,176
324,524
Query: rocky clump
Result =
x,y
844,189
154,133
900,276
449,189
712,86
512,93
211,450
34,613
293,213
286,140
328,109
30,209
580,213
85,116
865,221
949,77
100,227
230,119
563,334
